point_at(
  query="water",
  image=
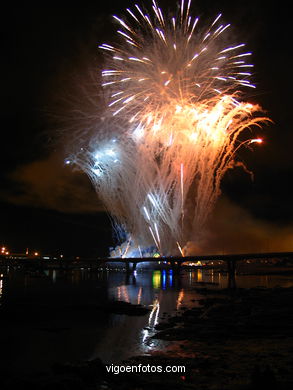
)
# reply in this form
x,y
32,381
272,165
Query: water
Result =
x,y
52,316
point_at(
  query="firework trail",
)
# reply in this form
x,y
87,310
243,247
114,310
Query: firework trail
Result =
x,y
174,114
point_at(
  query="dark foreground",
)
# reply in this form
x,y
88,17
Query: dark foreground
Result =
x,y
239,339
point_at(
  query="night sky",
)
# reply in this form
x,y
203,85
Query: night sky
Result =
x,y
47,52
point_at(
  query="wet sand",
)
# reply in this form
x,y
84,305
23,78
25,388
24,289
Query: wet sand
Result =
x,y
235,339
238,339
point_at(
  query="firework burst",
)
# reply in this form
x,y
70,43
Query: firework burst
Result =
x,y
174,115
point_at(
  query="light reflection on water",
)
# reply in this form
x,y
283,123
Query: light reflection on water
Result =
x,y
1,287
111,337
157,291
164,294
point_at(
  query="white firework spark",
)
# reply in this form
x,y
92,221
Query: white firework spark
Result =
x,y
175,110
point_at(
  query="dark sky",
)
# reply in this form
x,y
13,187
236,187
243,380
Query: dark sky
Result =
x,y
47,51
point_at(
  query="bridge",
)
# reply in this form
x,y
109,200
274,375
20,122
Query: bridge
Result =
x,y
230,260
45,262
23,259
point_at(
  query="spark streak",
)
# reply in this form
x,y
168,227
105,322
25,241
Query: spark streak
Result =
x,y
176,110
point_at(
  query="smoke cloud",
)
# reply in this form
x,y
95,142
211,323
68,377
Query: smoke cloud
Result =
x,y
50,184
232,229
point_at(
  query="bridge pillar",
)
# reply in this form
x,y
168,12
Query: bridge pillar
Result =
x,y
176,266
231,267
134,264
127,265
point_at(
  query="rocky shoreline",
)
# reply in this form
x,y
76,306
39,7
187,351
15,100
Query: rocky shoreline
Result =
x,y
235,339
239,339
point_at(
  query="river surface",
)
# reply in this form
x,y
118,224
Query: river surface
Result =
x,y
51,316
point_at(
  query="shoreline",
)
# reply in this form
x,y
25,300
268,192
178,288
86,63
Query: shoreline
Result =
x,y
239,339
235,339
